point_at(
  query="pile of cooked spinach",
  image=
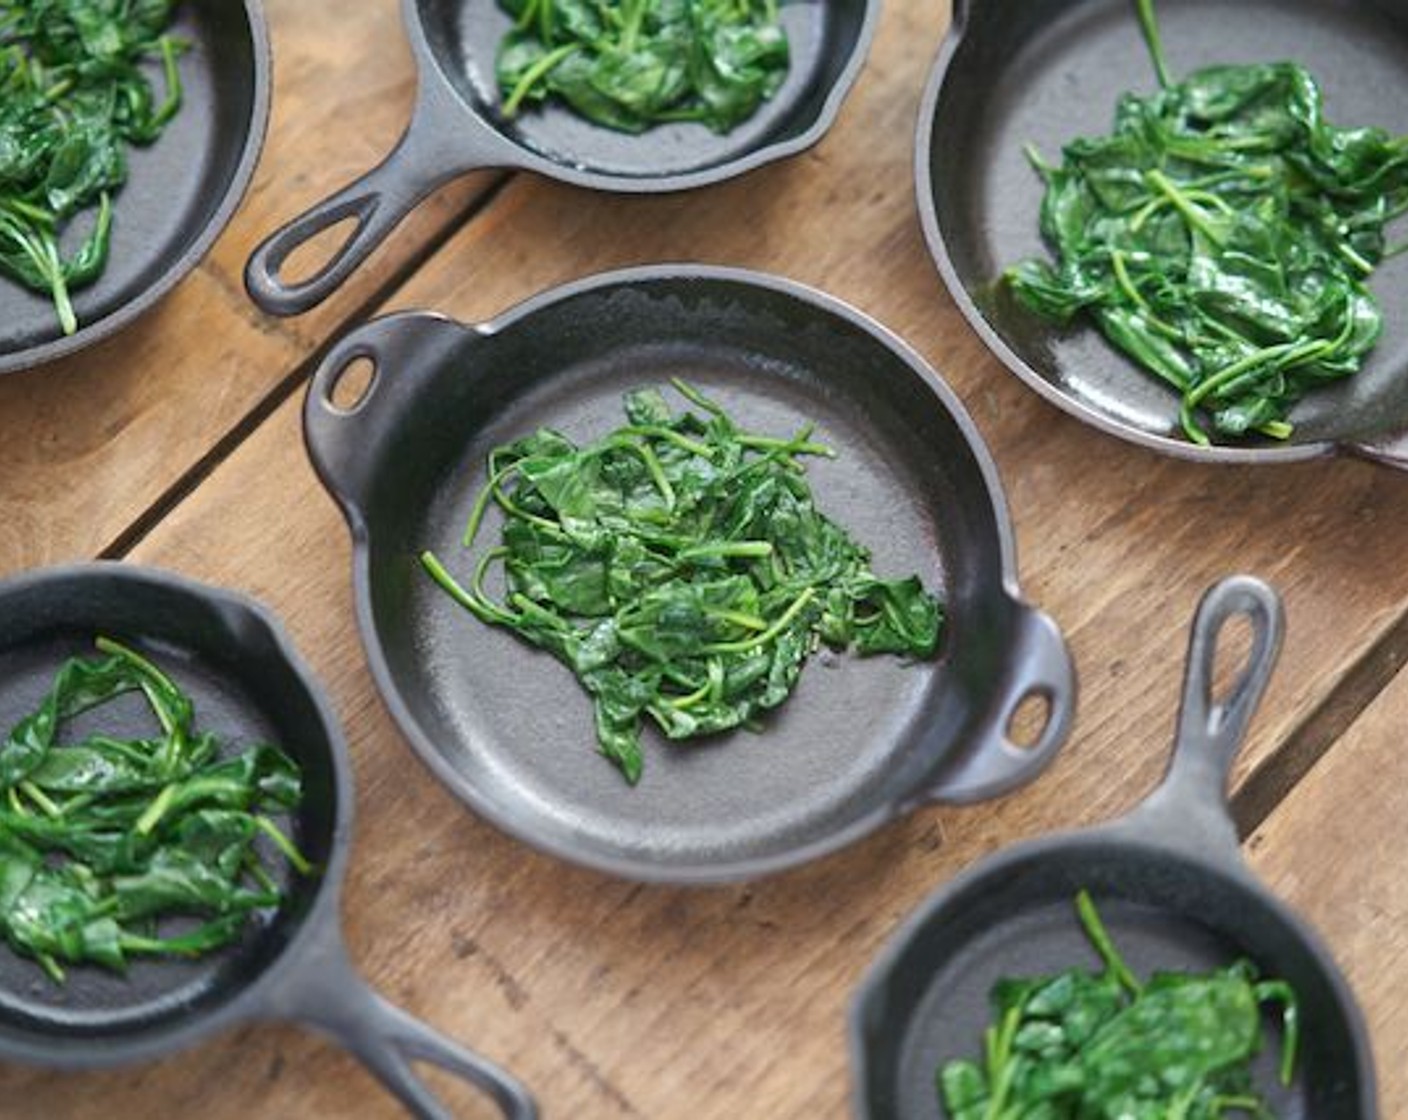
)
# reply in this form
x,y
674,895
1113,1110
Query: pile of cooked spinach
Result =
x,y
1222,237
105,838
1104,1046
631,64
74,94
679,566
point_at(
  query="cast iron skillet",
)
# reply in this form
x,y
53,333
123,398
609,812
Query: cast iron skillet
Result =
x,y
1171,885
181,191
248,684
510,731
457,127
1045,71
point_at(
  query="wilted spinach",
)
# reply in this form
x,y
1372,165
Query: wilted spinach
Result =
x,y
679,566
104,838
1221,236
1103,1046
74,93
630,64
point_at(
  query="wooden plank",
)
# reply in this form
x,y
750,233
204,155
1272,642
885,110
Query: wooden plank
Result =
x,y
86,445
618,1000
1334,850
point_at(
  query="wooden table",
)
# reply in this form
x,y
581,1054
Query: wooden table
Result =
x,y
178,444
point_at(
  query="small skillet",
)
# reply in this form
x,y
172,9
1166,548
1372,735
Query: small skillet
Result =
x,y
1171,885
457,127
510,731
1013,72
248,685
181,192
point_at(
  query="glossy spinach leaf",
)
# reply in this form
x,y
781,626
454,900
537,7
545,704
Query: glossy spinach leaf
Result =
x,y
76,91
1222,237
631,64
104,838
1102,1045
681,568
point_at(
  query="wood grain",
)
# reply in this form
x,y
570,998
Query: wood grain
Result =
x,y
88,444
1334,849
617,1000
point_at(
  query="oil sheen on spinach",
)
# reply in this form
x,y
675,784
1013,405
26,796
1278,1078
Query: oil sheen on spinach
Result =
x,y
631,64
105,838
1105,1046
680,567
74,95
1222,236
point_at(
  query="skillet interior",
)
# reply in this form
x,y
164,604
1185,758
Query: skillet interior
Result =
x,y
1045,72
245,691
176,189
824,37
508,728
929,1004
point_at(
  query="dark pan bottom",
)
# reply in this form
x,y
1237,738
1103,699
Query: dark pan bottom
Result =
x,y
822,37
175,187
245,691
1045,73
1021,921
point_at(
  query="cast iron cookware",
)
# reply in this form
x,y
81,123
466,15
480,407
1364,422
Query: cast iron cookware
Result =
x,y
1169,882
1013,72
248,685
457,127
511,732
180,193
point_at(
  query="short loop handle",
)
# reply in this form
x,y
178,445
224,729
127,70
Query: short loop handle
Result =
x,y
405,350
1041,667
330,996
1189,810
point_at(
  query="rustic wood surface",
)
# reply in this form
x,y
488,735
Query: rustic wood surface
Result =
x,y
612,999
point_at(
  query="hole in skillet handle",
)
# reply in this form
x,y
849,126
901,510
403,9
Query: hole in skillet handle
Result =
x,y
351,385
1030,719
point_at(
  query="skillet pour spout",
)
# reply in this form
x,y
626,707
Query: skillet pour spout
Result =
x,y
1171,887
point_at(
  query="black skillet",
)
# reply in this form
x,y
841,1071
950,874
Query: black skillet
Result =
x,y
510,731
248,684
1045,71
181,191
457,127
1170,883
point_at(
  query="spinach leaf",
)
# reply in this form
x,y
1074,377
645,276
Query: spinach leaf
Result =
x,y
74,95
1222,237
680,567
631,64
104,838
1104,1046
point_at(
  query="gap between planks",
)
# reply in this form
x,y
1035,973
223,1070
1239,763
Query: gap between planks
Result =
x,y
189,480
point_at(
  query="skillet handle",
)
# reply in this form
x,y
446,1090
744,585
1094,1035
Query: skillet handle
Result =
x,y
1390,450
442,143
344,443
1189,809
334,1000
1041,667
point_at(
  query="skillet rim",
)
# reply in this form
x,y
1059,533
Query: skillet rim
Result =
x,y
1123,836
529,158
993,340
488,807
121,317
319,928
